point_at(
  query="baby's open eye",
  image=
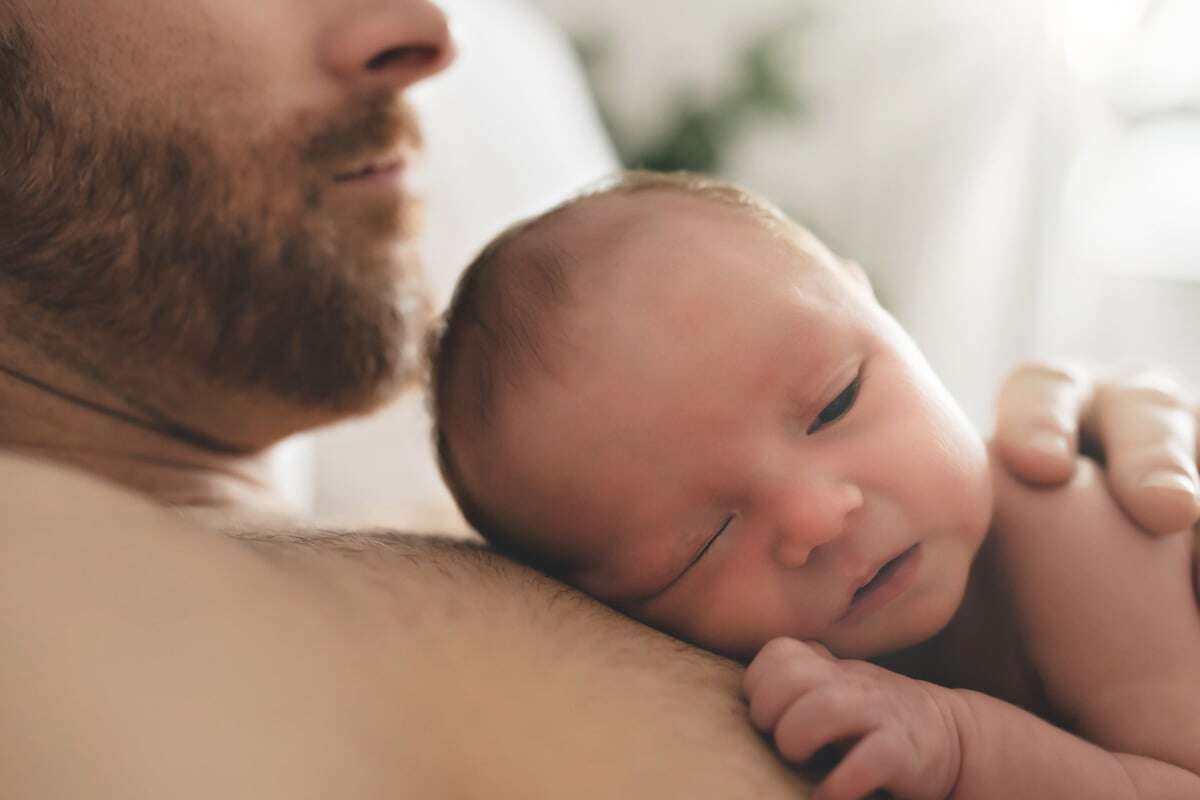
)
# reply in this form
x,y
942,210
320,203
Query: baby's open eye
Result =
x,y
839,407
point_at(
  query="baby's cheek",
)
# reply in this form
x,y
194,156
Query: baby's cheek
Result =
x,y
929,451
964,480
942,484
980,497
723,625
717,625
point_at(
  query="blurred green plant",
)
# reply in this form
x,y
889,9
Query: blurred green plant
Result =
x,y
699,134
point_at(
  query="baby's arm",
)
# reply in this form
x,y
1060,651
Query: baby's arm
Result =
x,y
921,741
1109,616
1114,631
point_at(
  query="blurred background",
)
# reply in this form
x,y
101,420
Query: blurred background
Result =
x,y
1021,178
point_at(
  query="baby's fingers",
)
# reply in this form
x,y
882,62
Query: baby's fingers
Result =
x,y
874,764
820,718
782,671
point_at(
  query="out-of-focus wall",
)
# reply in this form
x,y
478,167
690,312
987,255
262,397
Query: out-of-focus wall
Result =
x,y
945,145
1126,285
931,146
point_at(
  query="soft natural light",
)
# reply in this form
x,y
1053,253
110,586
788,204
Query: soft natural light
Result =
x,y
1135,196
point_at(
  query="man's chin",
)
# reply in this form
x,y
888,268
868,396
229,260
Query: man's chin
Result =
x,y
383,224
194,272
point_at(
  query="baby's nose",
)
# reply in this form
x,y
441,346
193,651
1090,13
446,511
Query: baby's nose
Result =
x,y
812,517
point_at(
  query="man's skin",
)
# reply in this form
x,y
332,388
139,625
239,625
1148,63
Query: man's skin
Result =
x,y
190,271
146,658
149,657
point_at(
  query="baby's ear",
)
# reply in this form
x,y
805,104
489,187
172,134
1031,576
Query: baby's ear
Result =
x,y
855,271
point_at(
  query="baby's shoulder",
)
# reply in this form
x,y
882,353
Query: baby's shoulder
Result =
x,y
1088,586
1076,535
1017,500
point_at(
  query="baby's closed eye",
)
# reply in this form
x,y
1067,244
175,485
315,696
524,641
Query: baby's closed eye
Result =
x,y
839,407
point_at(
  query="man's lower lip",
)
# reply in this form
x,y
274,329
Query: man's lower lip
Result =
x,y
902,573
392,177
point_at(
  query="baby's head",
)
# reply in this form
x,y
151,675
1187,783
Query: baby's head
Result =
x,y
669,395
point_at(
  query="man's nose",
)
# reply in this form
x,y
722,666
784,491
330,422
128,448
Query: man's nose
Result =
x,y
388,44
810,516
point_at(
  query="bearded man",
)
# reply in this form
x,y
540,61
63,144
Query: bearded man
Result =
x,y
206,245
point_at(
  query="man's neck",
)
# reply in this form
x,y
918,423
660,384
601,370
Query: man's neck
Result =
x,y
53,411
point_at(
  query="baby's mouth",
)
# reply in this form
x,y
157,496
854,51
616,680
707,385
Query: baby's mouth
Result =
x,y
881,577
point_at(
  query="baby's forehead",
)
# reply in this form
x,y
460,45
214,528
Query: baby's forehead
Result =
x,y
656,251
624,219
662,285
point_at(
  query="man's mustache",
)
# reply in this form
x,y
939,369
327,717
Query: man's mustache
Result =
x,y
375,126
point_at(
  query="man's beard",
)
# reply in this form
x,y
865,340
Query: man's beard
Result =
x,y
143,249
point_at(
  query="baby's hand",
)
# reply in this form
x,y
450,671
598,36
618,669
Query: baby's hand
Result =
x,y
901,734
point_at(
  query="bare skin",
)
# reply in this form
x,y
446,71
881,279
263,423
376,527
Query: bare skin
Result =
x,y
1068,634
791,437
182,664
151,656
78,422
148,657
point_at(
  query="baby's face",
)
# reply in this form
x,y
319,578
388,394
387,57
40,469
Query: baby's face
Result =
x,y
744,445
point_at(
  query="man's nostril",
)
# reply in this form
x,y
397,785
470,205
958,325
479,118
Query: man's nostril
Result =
x,y
409,56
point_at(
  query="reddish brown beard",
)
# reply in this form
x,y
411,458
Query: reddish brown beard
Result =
x,y
144,250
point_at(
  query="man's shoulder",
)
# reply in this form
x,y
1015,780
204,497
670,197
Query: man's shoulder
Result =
x,y
26,481
48,506
360,664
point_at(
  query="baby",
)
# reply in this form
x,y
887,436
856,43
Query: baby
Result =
x,y
669,395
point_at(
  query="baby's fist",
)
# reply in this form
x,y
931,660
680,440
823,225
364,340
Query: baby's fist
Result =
x,y
900,733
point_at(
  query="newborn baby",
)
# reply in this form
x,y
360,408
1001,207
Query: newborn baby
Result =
x,y
671,396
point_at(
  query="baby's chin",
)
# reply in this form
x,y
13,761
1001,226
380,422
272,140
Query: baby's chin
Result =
x,y
868,647
863,643
918,619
